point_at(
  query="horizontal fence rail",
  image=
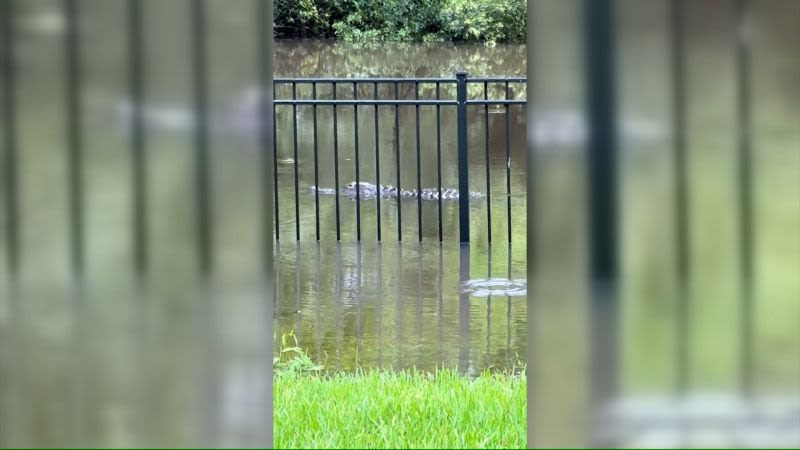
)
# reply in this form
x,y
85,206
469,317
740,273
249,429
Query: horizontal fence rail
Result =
x,y
376,98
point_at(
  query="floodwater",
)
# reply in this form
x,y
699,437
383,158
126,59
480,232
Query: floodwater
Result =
x,y
400,305
177,359
397,306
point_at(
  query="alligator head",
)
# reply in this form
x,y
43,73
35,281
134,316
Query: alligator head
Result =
x,y
363,189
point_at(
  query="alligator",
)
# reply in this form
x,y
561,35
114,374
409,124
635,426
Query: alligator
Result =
x,y
495,286
369,191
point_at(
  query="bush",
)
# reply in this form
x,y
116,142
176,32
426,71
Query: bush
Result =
x,y
489,21
301,18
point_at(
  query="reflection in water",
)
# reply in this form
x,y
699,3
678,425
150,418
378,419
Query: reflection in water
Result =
x,y
464,313
424,322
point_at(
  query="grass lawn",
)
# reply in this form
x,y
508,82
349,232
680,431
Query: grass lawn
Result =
x,y
387,409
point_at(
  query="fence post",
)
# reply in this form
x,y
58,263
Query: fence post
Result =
x,y
602,195
463,160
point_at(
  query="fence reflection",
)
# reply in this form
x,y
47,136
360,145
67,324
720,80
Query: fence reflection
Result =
x,y
408,313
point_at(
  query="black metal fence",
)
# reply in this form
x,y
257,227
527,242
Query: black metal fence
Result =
x,y
460,102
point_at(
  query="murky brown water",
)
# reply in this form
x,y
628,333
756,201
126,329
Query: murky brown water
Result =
x,y
398,306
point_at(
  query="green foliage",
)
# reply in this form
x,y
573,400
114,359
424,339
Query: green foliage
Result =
x,y
293,360
390,21
490,21
429,21
301,18
386,409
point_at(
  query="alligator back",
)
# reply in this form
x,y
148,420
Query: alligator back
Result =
x,y
369,191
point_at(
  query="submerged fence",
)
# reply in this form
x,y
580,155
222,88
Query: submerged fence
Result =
x,y
460,102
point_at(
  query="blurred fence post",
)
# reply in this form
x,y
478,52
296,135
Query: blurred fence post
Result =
x,y
9,119
463,160
602,204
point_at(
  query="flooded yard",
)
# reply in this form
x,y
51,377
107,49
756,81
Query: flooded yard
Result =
x,y
397,306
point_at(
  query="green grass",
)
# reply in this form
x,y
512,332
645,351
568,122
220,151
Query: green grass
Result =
x,y
387,409
384,409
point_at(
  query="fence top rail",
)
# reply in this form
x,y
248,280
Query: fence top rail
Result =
x,y
420,102
364,102
510,101
361,80
497,80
